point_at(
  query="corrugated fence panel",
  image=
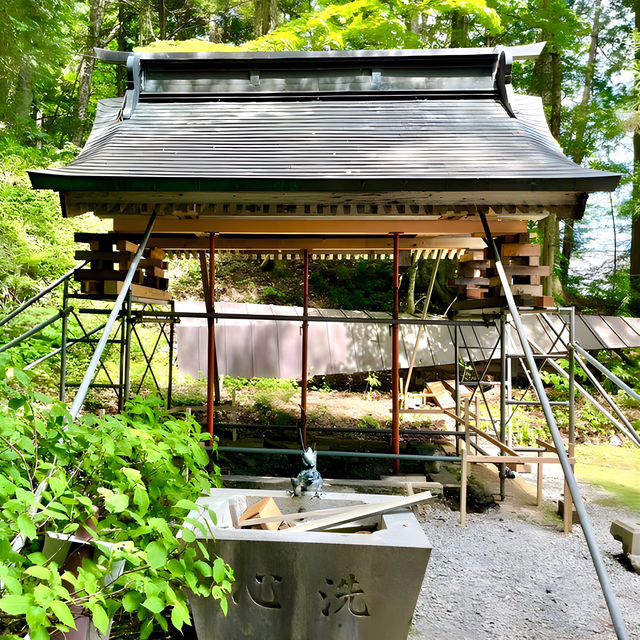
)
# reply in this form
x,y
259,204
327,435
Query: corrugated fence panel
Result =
x,y
269,349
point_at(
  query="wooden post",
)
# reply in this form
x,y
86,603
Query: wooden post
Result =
x,y
395,368
539,481
568,500
305,352
211,343
465,466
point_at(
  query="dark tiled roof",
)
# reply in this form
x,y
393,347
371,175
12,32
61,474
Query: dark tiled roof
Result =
x,y
414,127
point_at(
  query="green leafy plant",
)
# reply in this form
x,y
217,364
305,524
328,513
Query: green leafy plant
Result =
x,y
368,422
132,479
373,383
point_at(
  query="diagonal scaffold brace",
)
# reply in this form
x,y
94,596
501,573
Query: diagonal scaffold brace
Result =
x,y
585,522
19,541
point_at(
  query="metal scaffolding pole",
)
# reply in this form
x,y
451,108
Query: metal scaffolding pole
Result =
x,y
503,397
171,341
395,353
587,528
305,353
113,316
211,343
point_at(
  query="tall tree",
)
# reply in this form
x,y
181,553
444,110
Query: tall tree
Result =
x,y
634,267
579,148
87,63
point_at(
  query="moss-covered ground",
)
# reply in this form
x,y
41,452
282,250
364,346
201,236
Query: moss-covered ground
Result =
x,y
615,469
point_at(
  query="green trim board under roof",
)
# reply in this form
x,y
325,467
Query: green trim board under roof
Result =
x,y
428,122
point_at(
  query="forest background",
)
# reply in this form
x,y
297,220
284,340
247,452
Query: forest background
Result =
x,y
587,76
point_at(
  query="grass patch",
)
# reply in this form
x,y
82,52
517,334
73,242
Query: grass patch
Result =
x,y
615,469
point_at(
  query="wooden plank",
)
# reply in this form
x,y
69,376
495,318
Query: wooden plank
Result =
x,y
290,517
547,445
475,293
472,263
526,270
494,441
473,256
423,411
509,249
91,287
460,282
113,288
361,512
533,290
105,274
155,254
123,258
126,245
442,396
463,390
262,509
154,272
545,301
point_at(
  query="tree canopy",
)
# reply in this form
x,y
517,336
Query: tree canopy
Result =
x,y
50,82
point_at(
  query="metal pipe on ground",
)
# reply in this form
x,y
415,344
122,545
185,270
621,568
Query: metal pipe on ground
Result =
x,y
585,522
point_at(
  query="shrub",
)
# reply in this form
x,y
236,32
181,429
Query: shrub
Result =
x,y
133,479
368,422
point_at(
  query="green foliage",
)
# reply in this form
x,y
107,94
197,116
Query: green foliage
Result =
x,y
36,244
131,478
368,422
373,383
270,295
591,422
528,427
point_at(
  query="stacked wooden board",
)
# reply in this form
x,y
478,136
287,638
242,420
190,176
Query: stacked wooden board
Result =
x,y
109,260
478,283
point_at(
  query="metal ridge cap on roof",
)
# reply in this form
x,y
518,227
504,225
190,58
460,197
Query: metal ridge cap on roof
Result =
x,y
518,52
61,180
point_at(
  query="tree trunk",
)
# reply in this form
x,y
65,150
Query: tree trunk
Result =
x,y
412,275
23,96
145,25
96,17
121,71
634,270
265,16
162,19
458,30
568,240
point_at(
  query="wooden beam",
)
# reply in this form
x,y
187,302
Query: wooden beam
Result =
x,y
494,441
309,225
320,244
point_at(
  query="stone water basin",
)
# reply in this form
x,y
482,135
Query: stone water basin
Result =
x,y
322,585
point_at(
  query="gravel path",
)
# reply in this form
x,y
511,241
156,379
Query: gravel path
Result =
x,y
507,576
